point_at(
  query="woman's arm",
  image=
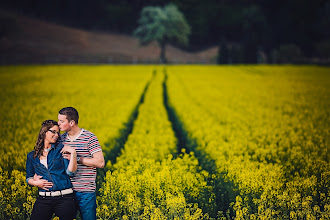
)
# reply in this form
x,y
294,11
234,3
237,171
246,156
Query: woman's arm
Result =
x,y
33,179
70,154
29,168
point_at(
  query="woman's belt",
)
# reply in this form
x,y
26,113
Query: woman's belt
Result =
x,y
57,193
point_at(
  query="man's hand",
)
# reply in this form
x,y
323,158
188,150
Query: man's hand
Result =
x,y
36,177
41,183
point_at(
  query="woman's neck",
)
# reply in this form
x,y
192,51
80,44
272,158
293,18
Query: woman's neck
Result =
x,y
47,145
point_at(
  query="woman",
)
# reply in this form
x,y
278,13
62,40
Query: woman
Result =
x,y
47,169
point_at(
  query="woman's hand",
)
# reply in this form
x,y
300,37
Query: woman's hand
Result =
x,y
67,151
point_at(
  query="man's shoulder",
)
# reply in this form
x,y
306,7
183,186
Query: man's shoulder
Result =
x,y
87,132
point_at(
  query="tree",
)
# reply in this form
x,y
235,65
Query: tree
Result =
x,y
254,27
165,25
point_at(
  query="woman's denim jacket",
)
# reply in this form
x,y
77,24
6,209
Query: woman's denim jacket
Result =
x,y
57,171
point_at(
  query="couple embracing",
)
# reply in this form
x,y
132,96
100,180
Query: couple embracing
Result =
x,y
63,167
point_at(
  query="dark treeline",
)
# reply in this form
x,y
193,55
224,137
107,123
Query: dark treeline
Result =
x,y
247,31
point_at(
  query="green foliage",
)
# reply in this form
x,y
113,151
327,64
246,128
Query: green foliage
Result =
x,y
8,23
289,53
304,22
164,25
323,49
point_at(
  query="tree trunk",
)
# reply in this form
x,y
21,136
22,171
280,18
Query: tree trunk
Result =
x,y
223,53
162,58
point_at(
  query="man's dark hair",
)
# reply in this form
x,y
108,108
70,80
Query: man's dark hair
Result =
x,y
70,113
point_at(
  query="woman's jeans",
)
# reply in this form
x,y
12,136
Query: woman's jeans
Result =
x,y
86,202
62,206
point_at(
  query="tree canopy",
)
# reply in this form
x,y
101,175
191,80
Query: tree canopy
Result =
x,y
165,25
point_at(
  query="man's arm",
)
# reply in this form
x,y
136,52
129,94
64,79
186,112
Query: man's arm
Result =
x,y
97,160
41,183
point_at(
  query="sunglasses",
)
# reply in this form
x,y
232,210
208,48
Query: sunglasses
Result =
x,y
55,132
49,122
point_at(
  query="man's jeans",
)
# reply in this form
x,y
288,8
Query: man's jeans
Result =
x,y
86,202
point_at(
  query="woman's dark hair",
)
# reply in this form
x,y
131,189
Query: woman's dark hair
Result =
x,y
45,126
70,113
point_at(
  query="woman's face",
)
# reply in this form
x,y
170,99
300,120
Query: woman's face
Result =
x,y
52,134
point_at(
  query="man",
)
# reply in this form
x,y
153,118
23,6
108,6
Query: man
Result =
x,y
89,157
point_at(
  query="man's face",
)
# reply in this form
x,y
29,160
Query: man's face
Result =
x,y
64,123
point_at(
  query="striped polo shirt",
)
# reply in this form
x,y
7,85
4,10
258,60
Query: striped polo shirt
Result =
x,y
86,144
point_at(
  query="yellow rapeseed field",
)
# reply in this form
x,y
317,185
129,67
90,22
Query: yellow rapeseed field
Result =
x,y
266,128
181,142
105,97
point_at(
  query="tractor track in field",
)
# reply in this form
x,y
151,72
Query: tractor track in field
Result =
x,y
222,189
119,142
126,130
